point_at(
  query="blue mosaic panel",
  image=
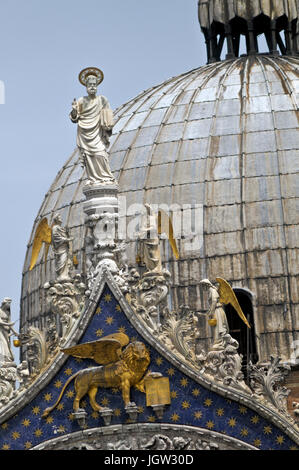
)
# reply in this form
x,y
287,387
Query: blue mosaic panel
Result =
x,y
191,404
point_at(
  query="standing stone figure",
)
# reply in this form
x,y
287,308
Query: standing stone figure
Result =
x,y
149,242
6,331
61,248
217,317
94,117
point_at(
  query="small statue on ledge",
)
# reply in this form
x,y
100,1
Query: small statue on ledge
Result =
x,y
94,117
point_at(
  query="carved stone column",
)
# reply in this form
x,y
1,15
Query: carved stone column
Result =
x,y
101,220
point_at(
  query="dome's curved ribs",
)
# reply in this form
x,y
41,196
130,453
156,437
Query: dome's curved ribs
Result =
x,y
230,67
212,71
176,81
245,76
194,74
286,83
126,106
148,95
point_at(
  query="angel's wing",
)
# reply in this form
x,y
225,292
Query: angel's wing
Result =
x,y
165,226
103,351
43,234
227,296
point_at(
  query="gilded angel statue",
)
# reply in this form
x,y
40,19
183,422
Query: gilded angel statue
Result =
x,y
56,236
219,296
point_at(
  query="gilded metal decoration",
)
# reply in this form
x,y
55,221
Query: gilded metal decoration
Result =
x,y
43,234
157,391
227,296
122,368
94,71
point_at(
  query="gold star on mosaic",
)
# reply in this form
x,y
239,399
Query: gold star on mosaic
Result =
x,y
68,371
197,414
232,422
99,332
105,402
255,419
159,361
257,443
78,360
49,420
60,407
95,415
152,419
70,417
107,298
48,397
38,432
84,404
118,308
196,392
220,412
98,311
244,432
58,384
280,440
171,372
26,422
27,445
121,329
242,410
5,447
173,394
140,409
115,390
184,382
4,426
109,320
267,430
15,435
36,410
185,405
61,429
208,402
70,393
210,424
117,412
175,417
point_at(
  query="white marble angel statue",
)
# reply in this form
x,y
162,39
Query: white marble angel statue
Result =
x,y
61,244
223,294
94,118
6,331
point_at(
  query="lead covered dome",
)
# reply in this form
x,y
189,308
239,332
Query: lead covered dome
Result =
x,y
223,137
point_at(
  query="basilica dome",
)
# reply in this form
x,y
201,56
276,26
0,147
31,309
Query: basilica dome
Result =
x,y
224,137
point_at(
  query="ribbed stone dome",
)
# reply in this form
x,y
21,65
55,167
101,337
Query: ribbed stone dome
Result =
x,y
225,136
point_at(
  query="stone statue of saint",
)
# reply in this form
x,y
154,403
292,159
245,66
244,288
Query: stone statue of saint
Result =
x,y
61,244
216,315
94,117
149,242
6,331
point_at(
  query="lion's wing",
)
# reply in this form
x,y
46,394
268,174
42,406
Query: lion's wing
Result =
x,y
103,351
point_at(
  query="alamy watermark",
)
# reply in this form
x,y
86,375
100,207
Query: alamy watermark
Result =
x,y
2,92
175,222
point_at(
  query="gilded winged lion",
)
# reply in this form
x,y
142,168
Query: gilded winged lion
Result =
x,y
122,368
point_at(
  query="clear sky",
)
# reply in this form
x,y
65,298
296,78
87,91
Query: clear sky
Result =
x,y
43,46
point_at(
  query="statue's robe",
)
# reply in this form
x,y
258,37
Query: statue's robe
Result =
x,y
95,123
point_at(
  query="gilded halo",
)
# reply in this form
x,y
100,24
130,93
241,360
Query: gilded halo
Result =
x,y
91,71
